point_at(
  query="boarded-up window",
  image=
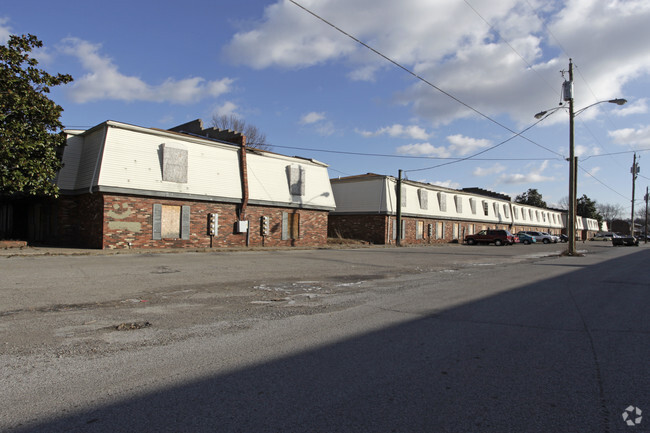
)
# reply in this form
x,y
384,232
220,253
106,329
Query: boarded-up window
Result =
x,y
403,231
296,177
506,211
459,203
472,205
440,230
419,230
442,201
394,229
174,167
171,222
403,196
290,226
455,231
423,194
516,212
496,209
485,207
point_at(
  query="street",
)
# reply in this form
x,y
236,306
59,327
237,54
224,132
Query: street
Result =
x,y
450,338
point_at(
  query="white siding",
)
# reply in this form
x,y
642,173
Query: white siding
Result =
x,y
363,194
115,156
367,195
268,181
133,160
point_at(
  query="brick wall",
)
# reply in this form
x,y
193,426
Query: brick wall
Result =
x,y
370,228
124,221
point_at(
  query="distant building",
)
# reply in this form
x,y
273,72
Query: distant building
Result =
x,y
367,209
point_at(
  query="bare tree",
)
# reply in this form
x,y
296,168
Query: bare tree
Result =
x,y
254,137
610,212
563,203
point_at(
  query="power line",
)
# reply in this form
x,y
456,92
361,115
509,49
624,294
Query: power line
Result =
x,y
531,67
603,183
405,69
384,155
486,150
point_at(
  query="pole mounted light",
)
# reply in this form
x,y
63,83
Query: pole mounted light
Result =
x,y
567,93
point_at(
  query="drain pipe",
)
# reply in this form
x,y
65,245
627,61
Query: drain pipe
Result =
x,y
244,186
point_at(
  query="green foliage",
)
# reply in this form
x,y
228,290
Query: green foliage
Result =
x,y
531,197
31,136
586,207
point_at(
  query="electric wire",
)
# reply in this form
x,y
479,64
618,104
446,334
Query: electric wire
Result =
x,y
531,67
602,183
485,150
410,72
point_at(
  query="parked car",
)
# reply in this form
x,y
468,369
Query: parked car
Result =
x,y
620,239
602,236
496,237
539,236
554,238
526,239
564,238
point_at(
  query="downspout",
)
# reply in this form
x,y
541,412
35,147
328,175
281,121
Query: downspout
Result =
x,y
244,185
512,218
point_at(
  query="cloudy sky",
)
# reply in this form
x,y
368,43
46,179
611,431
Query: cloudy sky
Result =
x,y
441,89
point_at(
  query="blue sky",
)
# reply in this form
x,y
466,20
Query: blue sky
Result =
x,y
488,66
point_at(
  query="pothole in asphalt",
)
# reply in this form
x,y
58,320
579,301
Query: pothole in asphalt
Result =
x,y
131,326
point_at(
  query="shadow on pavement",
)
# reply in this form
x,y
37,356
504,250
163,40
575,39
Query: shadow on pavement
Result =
x,y
542,358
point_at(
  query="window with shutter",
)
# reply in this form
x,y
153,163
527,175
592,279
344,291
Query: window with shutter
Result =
x,y
290,226
170,222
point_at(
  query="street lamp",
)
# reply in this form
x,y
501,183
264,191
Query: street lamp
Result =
x,y
567,93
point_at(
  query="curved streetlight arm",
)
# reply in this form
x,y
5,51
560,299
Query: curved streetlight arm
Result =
x,y
617,101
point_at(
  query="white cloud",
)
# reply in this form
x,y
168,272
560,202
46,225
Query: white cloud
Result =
x,y
494,169
226,109
319,122
423,149
312,117
5,30
104,81
399,131
533,175
459,146
631,136
446,183
488,67
636,107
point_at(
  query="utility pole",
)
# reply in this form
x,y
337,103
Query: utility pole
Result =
x,y
398,219
645,237
567,90
635,171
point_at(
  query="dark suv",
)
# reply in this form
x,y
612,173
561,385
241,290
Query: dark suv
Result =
x,y
496,237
